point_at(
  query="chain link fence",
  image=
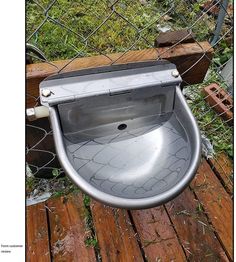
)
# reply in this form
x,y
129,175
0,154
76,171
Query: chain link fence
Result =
x,y
62,29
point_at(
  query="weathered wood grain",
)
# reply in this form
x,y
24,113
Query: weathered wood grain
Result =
x,y
216,203
223,167
157,235
116,238
68,231
194,232
38,249
173,37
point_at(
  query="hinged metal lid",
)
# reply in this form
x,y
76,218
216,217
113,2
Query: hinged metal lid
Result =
x,y
69,87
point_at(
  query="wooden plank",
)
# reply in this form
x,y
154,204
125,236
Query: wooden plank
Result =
x,y
223,167
173,37
116,238
195,233
217,204
157,235
192,58
67,217
37,234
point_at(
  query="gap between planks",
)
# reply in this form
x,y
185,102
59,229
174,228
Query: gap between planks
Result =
x,y
223,167
216,203
38,245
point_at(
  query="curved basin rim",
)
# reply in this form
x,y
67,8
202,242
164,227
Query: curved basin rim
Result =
x,y
126,202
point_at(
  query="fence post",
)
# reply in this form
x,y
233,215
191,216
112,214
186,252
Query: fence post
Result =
x,y
220,20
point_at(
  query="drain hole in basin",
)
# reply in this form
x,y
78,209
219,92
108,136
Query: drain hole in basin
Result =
x,y
122,126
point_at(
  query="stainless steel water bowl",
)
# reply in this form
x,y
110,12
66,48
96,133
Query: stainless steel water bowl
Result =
x,y
124,134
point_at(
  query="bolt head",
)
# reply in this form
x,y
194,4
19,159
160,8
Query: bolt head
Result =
x,y
46,92
175,73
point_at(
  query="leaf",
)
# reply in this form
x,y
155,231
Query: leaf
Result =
x,y
55,172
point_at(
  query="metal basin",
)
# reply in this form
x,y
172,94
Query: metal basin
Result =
x,y
124,134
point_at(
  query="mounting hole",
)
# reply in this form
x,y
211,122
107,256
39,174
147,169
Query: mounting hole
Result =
x,y
122,126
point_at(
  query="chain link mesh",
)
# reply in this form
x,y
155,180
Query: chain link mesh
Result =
x,y
62,29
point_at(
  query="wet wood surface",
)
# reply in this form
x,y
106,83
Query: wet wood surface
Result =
x,y
223,167
195,226
68,230
193,229
116,237
38,248
157,235
216,203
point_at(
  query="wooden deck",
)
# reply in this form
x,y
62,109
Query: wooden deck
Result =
x,y
195,226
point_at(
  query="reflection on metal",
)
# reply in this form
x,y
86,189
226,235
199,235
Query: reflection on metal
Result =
x,y
124,133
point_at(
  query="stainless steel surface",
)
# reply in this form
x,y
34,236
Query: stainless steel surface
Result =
x,y
69,87
132,149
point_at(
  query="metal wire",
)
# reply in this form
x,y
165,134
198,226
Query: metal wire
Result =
x,y
63,29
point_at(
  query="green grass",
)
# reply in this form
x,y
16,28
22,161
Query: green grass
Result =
x,y
87,201
57,186
116,34
83,18
30,184
91,242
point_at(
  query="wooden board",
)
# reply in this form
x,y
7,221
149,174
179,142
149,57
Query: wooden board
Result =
x,y
192,58
173,37
157,235
38,249
68,232
194,232
223,167
116,238
216,203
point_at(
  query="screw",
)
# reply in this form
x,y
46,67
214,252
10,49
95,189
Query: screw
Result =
x,y
46,92
175,73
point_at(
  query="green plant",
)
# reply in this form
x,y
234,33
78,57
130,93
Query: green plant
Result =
x,y
30,184
199,208
91,242
55,172
87,201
